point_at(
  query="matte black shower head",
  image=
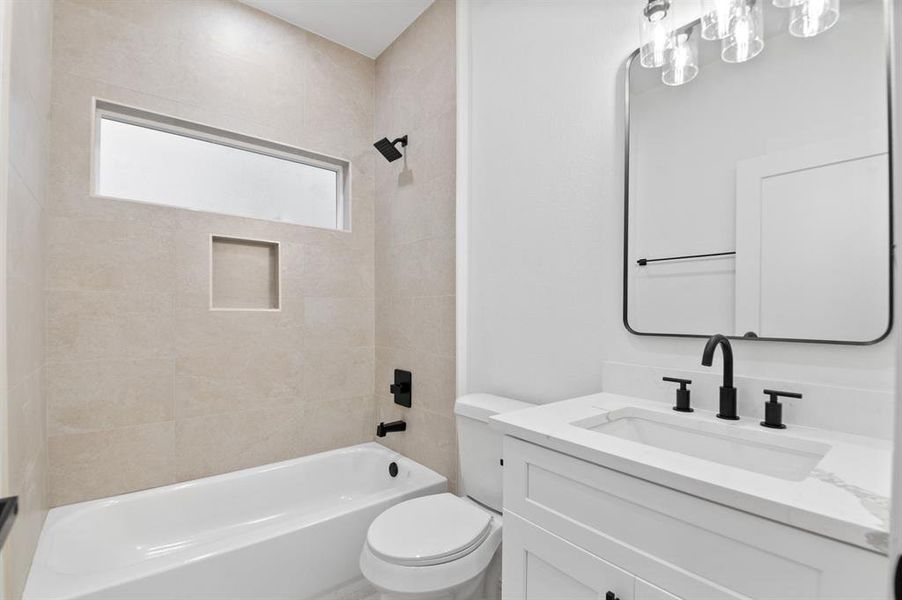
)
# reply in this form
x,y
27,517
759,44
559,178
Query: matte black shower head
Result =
x,y
388,150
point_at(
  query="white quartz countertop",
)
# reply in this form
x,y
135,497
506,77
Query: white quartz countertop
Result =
x,y
844,497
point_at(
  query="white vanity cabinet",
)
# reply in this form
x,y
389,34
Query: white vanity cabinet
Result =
x,y
574,529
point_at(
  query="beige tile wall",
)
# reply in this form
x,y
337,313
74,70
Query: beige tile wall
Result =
x,y
145,385
415,94
29,119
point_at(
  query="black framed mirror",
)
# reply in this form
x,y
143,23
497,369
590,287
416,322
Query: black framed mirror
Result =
x,y
757,196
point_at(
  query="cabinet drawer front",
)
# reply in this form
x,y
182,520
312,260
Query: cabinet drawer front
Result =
x,y
541,566
689,546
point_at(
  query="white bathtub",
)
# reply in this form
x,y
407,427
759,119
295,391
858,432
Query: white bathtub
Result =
x,y
287,530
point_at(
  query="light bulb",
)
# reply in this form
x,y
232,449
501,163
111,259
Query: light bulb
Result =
x,y
716,18
746,39
682,61
659,37
656,33
812,17
743,32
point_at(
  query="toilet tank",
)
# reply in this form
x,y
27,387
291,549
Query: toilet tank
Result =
x,y
479,446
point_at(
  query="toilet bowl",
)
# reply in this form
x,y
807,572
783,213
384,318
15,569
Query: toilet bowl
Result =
x,y
434,547
444,546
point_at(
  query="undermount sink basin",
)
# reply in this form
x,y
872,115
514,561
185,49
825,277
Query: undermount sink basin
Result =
x,y
776,454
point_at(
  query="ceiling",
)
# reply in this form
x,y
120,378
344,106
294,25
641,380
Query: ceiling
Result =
x,y
366,26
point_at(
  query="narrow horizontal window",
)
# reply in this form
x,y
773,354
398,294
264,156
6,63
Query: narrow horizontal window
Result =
x,y
150,158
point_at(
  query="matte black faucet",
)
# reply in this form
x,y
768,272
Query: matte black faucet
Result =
x,y
383,428
727,391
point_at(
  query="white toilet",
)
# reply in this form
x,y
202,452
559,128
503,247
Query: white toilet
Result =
x,y
445,546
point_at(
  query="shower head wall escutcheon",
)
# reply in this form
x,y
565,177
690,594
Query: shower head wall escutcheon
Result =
x,y
388,149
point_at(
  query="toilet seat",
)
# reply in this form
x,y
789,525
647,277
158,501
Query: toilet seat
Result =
x,y
431,530
466,565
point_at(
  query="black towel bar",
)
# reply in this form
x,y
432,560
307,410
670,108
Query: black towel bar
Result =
x,y
644,261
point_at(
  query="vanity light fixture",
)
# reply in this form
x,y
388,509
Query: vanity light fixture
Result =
x,y
746,39
682,59
738,24
656,33
716,18
809,18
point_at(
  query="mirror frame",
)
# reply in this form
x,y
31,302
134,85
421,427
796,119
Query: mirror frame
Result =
x,y
887,10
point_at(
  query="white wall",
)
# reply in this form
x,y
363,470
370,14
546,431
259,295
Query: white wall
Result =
x,y
545,221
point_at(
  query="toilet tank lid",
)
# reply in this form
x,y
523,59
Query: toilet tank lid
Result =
x,y
483,406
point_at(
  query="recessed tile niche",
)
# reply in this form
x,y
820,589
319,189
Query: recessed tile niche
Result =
x,y
244,274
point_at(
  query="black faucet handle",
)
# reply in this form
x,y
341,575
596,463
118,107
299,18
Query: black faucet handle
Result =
x,y
774,394
682,394
773,408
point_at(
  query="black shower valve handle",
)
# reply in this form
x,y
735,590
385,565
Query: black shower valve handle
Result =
x,y
402,388
399,388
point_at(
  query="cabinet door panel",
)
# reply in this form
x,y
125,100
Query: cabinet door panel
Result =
x,y
545,581
541,566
